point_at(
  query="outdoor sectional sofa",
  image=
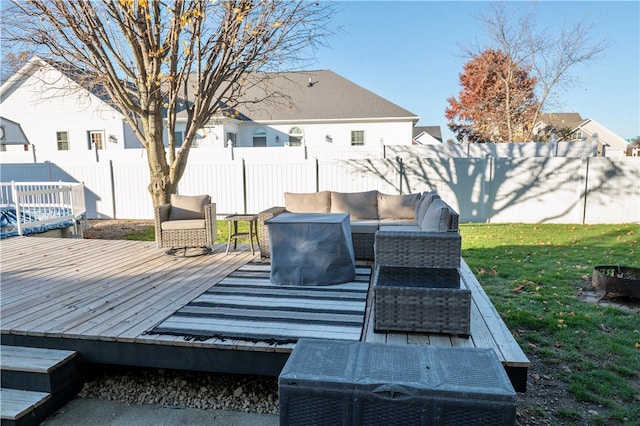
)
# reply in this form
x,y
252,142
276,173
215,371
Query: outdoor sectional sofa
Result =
x,y
417,230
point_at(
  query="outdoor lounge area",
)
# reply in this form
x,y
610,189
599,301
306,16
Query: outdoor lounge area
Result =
x,y
125,302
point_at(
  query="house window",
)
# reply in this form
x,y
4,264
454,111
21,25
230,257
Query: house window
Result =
x,y
63,141
357,137
295,136
231,137
259,137
96,138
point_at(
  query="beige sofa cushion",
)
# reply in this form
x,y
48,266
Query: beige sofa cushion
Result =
x,y
308,202
360,205
186,207
437,217
397,206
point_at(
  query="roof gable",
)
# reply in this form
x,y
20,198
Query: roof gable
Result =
x,y
316,95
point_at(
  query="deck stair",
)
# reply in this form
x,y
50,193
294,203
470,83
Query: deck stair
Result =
x,y
35,383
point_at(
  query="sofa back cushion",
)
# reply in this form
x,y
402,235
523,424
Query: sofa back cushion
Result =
x,y
308,202
397,206
437,217
424,203
360,205
188,207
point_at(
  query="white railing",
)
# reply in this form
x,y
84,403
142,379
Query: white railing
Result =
x,y
41,203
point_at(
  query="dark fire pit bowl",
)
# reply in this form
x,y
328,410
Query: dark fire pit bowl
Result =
x,y
621,280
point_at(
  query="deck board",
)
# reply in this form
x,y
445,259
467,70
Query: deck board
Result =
x,y
116,291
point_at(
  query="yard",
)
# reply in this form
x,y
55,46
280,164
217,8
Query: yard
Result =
x,y
586,355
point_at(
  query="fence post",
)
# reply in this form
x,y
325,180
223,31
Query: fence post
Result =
x,y
488,210
401,170
317,174
16,203
244,187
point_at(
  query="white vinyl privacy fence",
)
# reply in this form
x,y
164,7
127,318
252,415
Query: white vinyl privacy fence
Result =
x,y
498,190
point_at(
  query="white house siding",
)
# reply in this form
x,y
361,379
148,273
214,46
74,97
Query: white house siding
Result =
x,y
46,102
315,133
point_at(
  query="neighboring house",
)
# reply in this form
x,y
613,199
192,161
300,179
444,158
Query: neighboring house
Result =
x,y
12,138
572,127
427,135
58,114
557,123
319,109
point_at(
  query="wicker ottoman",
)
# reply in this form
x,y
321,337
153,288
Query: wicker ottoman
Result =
x,y
431,300
337,382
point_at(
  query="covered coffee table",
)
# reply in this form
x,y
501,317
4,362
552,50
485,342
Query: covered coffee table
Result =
x,y
311,249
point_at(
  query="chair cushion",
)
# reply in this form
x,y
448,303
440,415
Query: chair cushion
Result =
x,y
437,217
186,207
180,225
308,202
397,206
360,205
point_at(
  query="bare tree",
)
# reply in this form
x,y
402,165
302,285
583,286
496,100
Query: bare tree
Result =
x,y
160,60
549,53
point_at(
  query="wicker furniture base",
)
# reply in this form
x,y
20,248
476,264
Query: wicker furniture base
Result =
x,y
431,300
337,382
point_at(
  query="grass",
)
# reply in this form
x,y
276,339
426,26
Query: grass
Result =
x,y
532,273
148,233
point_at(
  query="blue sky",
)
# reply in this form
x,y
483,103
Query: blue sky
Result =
x,y
410,54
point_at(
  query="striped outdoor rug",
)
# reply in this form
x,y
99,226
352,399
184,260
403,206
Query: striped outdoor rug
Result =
x,y
247,306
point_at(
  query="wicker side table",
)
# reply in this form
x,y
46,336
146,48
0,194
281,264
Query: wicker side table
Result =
x,y
232,222
431,300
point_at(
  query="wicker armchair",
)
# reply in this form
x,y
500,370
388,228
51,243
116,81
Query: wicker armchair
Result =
x,y
187,222
263,231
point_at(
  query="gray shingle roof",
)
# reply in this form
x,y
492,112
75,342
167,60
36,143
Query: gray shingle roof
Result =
x,y
321,95
562,119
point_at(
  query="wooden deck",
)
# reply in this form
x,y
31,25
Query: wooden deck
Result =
x,y
99,298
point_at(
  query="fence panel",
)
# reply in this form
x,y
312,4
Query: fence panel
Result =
x,y
613,190
267,183
98,190
26,172
223,181
359,175
458,181
132,199
536,190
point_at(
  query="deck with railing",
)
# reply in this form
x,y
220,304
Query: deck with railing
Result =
x,y
33,206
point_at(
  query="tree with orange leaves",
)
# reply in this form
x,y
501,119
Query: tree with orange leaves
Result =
x,y
497,100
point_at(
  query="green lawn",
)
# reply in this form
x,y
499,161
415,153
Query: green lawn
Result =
x,y
532,273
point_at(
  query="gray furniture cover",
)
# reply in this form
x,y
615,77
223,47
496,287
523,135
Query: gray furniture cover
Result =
x,y
311,249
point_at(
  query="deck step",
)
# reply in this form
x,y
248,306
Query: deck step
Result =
x,y
35,383
21,407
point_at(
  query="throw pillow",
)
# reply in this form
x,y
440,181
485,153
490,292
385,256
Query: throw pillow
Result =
x,y
360,205
397,206
187,207
307,202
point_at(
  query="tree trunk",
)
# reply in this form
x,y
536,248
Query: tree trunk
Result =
x,y
160,185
